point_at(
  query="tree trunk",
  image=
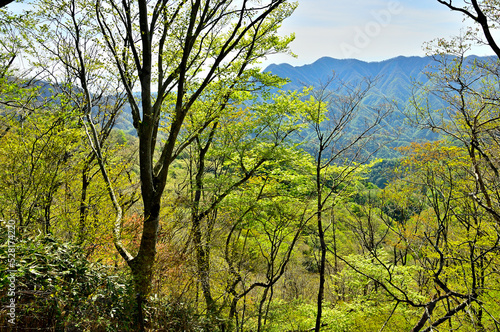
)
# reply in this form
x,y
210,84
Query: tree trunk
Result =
x,y
203,262
261,306
142,267
322,265
83,205
321,235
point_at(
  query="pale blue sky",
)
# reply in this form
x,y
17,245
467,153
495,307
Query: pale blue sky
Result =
x,y
370,30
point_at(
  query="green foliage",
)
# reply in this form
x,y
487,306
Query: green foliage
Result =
x,y
57,287
36,154
380,173
249,219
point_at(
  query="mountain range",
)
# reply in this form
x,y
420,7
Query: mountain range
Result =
x,y
395,76
395,80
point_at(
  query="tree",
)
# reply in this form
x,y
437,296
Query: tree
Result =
x,y
452,239
173,51
339,151
42,132
36,163
241,141
15,92
467,211
67,58
270,219
469,88
483,13
441,221
4,3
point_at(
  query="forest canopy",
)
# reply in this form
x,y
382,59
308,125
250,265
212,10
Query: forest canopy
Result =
x,y
227,202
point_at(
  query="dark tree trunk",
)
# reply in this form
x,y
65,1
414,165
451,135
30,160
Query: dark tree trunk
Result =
x,y
142,266
83,205
321,235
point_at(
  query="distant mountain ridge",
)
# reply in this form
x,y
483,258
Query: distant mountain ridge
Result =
x,y
350,69
395,76
395,81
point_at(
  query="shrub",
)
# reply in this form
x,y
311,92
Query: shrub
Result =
x,y
57,288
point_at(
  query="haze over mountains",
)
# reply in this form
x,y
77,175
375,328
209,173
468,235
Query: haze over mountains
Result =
x,y
396,80
395,75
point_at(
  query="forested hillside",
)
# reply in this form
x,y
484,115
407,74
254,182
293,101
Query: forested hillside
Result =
x,y
396,75
154,178
396,81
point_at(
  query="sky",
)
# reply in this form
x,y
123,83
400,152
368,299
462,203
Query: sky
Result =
x,y
368,30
